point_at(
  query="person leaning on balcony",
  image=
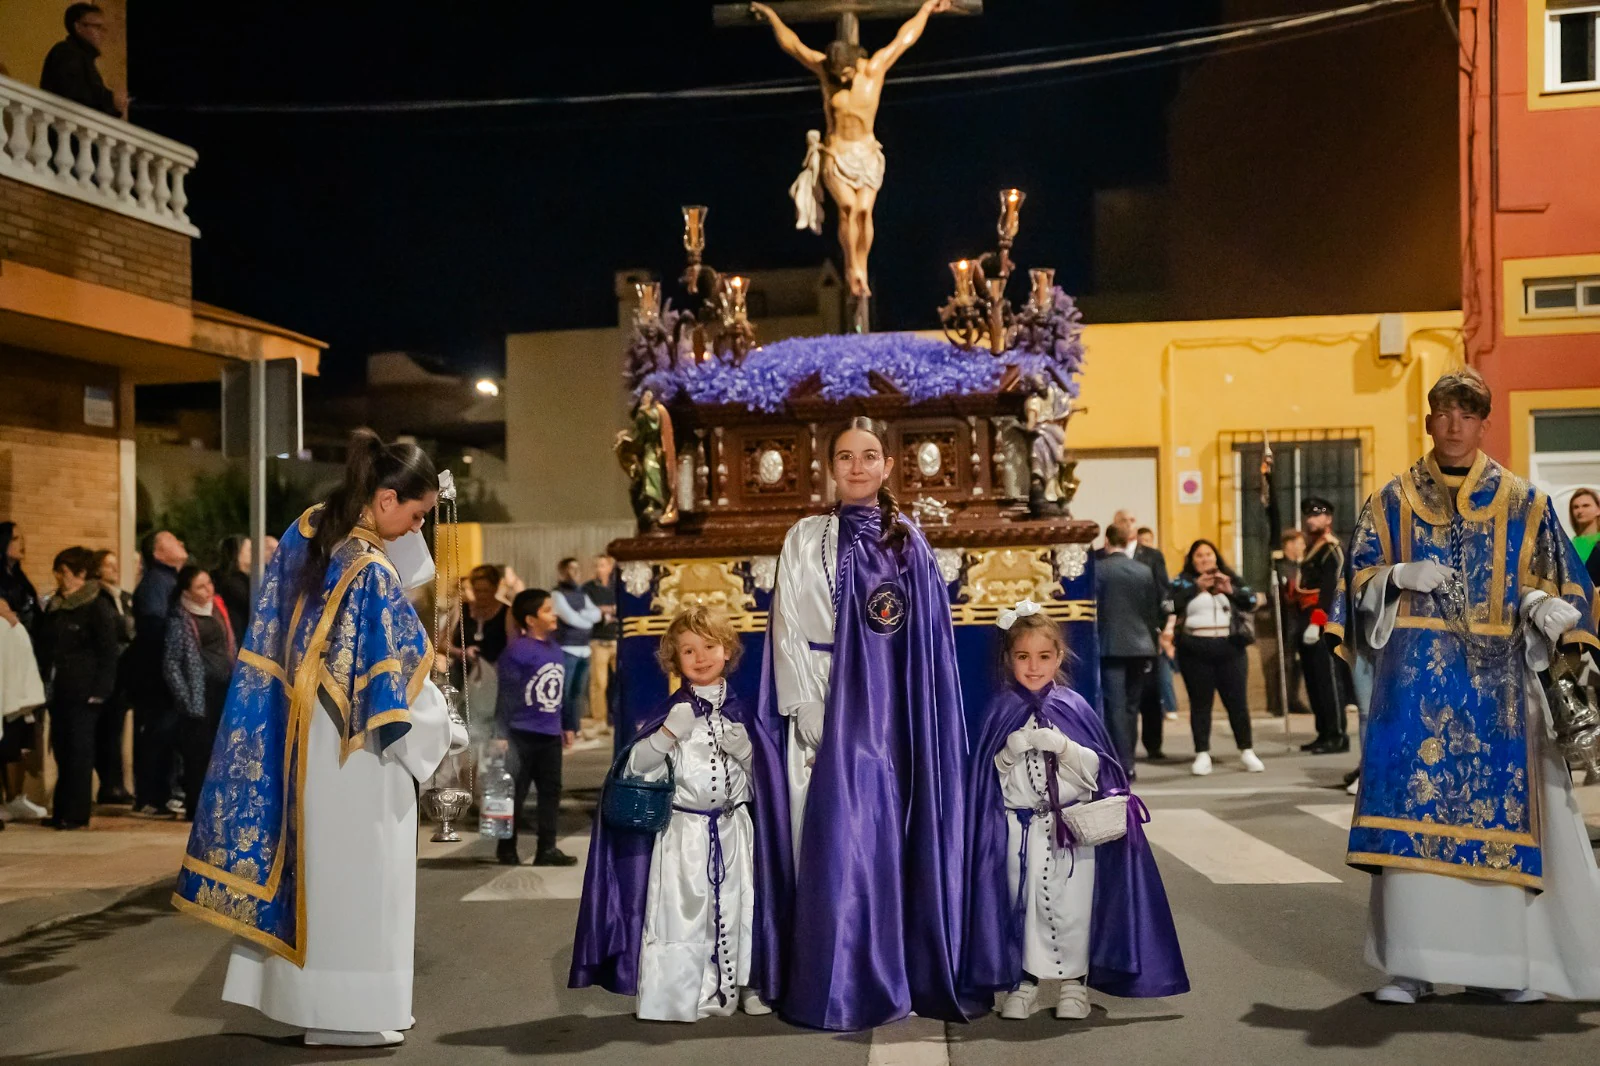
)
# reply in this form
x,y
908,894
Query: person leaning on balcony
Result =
x,y
69,69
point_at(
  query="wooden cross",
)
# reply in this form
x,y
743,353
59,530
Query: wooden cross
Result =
x,y
846,13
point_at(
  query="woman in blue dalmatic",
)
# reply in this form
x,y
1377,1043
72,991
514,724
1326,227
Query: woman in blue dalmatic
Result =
x,y
861,692
304,837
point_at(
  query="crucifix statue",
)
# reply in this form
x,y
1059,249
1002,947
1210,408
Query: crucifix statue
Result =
x,y
847,160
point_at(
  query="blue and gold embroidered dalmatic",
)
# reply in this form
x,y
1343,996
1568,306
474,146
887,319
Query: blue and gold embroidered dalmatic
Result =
x,y
1449,778
356,651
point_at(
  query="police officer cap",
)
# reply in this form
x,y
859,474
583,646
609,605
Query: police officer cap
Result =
x,y
1315,505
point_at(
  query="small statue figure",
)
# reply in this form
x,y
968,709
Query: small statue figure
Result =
x,y
650,459
1051,482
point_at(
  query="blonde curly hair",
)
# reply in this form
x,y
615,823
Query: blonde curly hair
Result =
x,y
705,623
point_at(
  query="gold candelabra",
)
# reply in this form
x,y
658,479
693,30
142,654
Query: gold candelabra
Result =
x,y
978,311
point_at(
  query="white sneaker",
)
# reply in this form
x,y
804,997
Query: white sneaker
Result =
x,y
24,809
1171,716
1251,762
751,1003
1019,1004
1202,764
1074,1001
339,1038
1353,788
1403,990
175,805
1509,995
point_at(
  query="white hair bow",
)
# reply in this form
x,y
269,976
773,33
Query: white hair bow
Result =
x,y
1009,616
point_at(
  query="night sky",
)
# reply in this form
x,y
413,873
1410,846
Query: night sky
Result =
x,y
440,233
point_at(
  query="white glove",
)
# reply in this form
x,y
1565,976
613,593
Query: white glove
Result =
x,y
1312,634
736,743
808,724
1554,617
1048,738
680,722
1424,577
1020,741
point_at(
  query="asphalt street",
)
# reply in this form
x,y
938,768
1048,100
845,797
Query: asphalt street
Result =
x,y
1271,921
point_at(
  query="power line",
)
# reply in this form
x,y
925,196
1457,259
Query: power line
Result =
x,y
1296,25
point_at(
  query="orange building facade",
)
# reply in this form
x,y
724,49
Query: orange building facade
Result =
x,y
1530,157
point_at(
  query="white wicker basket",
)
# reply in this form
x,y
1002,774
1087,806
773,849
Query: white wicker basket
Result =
x,y
1098,821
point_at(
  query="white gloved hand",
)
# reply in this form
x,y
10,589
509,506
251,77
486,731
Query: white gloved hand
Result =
x,y
1020,741
808,724
680,722
1423,577
737,744
1048,738
1554,617
1312,634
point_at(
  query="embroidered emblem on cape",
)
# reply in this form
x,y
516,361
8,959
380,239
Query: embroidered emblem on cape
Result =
x,y
886,608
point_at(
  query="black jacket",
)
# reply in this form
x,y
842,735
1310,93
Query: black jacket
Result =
x,y
80,645
234,588
69,71
1128,606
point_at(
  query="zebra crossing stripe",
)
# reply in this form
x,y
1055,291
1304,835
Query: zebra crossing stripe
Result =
x,y
1335,814
912,1042
1225,854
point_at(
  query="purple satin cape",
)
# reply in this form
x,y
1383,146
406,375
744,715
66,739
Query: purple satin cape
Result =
x,y
878,900
605,949
1133,945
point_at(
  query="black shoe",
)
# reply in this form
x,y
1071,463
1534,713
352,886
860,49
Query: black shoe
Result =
x,y
115,797
507,856
1334,746
61,823
554,857
160,814
1314,745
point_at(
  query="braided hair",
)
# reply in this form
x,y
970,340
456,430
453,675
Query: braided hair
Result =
x,y
894,533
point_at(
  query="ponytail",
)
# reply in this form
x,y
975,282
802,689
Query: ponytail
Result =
x,y
371,465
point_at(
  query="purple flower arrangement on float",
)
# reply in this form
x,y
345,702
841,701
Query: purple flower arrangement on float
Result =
x,y
1048,349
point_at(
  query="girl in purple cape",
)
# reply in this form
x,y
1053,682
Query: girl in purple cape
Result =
x,y
685,919
860,691
1042,906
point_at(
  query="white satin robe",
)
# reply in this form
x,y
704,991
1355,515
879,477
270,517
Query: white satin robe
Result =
x,y
690,966
1059,894
360,873
802,615
1449,930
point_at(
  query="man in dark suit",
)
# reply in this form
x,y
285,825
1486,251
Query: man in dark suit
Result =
x,y
1131,616
1152,712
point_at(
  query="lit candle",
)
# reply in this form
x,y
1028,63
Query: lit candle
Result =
x,y
737,288
694,233
1044,281
1010,204
962,271
649,293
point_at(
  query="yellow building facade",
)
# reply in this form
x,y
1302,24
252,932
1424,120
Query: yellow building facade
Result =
x,y
1188,392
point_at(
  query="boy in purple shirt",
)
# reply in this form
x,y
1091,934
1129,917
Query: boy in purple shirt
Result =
x,y
528,726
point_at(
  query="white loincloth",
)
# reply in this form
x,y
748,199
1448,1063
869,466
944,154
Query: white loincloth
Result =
x,y
858,164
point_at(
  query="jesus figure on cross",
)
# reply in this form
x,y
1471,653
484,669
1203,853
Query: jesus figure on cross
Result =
x,y
848,160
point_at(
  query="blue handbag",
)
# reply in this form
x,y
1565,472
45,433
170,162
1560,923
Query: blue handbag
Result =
x,y
632,804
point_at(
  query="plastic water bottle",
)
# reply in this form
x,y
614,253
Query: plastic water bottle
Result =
x,y
498,809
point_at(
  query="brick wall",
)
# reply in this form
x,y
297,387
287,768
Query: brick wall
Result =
x,y
61,489
79,240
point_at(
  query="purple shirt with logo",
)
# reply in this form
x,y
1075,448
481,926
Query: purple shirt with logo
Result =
x,y
532,677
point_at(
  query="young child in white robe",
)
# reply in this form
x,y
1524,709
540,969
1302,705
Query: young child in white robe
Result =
x,y
694,936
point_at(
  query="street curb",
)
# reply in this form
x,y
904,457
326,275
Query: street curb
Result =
x,y
123,895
